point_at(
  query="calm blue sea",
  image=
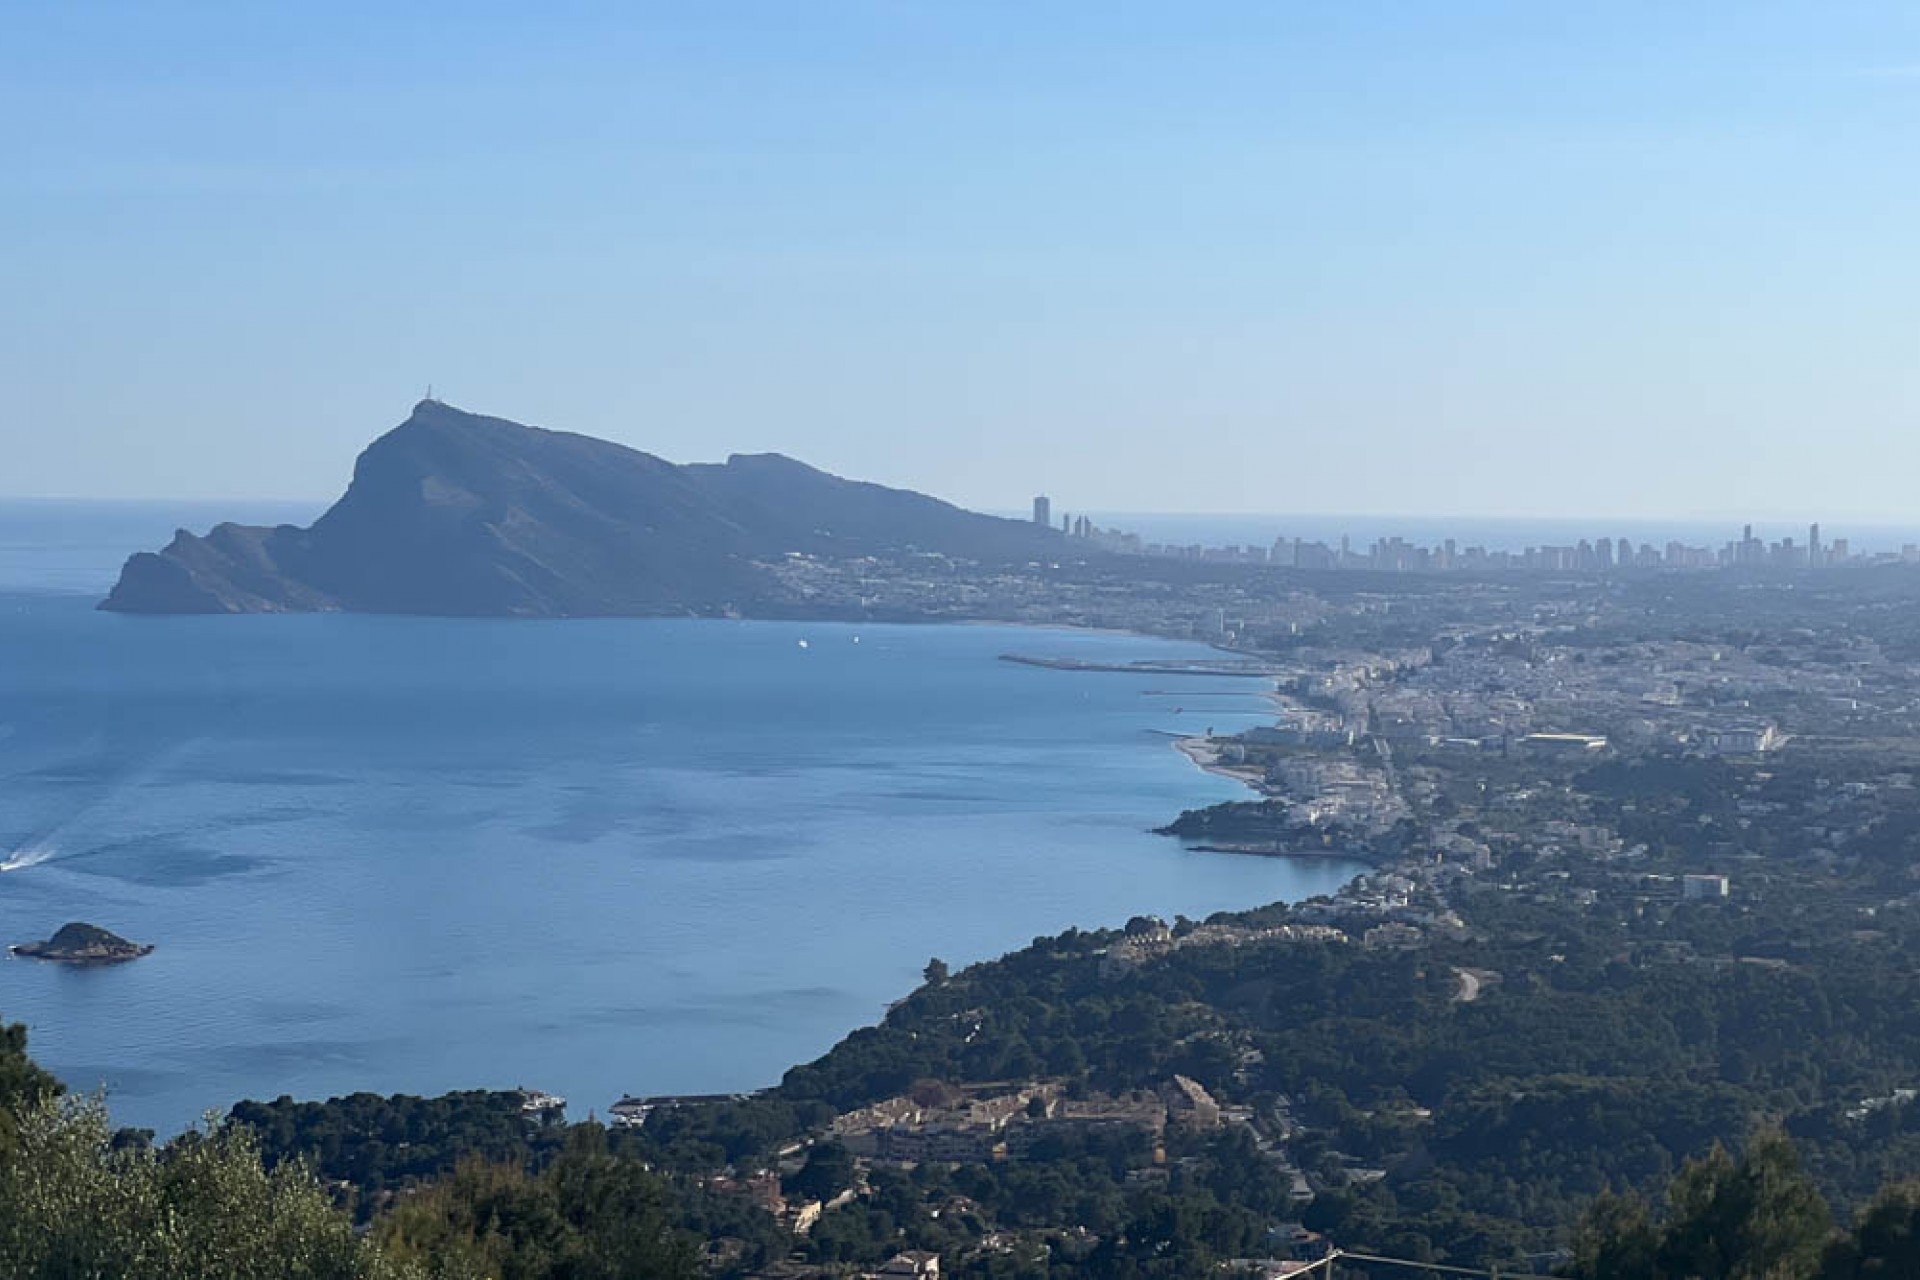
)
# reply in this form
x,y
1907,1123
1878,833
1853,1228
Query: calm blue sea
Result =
x,y
592,857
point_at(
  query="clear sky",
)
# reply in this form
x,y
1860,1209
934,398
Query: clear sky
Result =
x,y
1635,259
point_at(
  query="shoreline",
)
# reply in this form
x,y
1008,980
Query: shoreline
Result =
x,y
1200,749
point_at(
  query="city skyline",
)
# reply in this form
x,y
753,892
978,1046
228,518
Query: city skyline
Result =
x,y
1396,553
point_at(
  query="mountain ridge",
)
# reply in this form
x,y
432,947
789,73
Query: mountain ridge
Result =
x,y
454,513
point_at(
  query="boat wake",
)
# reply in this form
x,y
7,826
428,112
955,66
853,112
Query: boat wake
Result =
x,y
29,855
82,827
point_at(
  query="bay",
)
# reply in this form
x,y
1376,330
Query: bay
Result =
x,y
404,854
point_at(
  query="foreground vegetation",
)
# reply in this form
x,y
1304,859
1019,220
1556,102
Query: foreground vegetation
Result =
x,y
79,1201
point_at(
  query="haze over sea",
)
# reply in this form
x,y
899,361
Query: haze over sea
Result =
x,y
414,855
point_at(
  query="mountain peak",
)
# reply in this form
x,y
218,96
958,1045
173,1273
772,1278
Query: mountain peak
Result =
x,y
432,408
769,462
439,411
456,513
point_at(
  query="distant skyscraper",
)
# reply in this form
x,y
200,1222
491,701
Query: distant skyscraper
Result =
x,y
1813,546
1043,511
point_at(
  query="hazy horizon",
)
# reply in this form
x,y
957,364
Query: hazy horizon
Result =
x,y
148,521
1484,258
1765,524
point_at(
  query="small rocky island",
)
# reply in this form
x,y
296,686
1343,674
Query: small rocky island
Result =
x,y
78,943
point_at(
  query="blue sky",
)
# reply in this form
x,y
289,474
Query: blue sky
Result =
x,y
1627,259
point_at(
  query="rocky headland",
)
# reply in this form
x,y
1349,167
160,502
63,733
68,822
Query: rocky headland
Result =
x,y
456,514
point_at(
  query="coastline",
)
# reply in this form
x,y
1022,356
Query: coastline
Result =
x,y
1206,756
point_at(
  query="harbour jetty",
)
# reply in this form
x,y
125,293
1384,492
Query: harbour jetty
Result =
x,y
1238,668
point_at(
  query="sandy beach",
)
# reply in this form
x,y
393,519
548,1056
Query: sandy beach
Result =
x,y
1207,753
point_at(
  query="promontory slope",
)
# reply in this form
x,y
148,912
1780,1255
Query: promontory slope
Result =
x,y
453,513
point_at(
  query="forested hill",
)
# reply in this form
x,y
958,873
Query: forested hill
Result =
x,y
1605,1052
458,514
1501,1124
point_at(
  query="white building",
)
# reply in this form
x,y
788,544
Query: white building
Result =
x,y
1746,740
1702,888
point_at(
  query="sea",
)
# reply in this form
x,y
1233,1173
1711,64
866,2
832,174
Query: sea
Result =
x,y
590,857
